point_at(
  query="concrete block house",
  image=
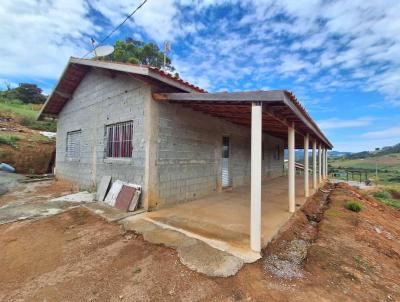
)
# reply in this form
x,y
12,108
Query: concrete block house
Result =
x,y
142,125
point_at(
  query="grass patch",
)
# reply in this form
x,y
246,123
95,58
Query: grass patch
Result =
x,y
382,195
11,140
136,270
42,139
32,123
19,109
386,197
361,264
26,114
333,212
353,206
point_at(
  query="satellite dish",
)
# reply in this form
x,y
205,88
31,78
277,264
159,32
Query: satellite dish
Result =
x,y
102,51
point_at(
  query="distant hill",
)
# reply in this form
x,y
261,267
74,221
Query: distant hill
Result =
x,y
339,153
380,152
299,154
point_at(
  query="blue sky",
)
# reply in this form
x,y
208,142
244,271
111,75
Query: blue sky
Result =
x,y
340,58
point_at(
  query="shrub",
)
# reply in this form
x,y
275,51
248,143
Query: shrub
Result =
x,y
382,195
32,123
10,140
354,206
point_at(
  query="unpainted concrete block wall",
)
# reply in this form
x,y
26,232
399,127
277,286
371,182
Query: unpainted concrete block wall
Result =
x,y
189,154
99,100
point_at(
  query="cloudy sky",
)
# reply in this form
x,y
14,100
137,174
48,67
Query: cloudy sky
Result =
x,y
341,58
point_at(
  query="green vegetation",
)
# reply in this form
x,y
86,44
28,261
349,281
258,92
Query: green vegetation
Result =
x,y
387,165
32,123
137,52
353,206
26,114
362,264
388,198
11,140
136,270
26,93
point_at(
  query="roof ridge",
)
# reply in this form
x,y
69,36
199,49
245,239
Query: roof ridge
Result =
x,y
153,68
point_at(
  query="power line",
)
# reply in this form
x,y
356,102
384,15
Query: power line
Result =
x,y
119,26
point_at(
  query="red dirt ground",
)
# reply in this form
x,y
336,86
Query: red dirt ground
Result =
x,y
32,152
76,256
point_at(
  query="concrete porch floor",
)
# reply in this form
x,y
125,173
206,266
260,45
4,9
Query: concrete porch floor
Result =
x,y
222,220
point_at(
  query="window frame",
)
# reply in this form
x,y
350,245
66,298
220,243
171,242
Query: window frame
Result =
x,y
122,145
76,156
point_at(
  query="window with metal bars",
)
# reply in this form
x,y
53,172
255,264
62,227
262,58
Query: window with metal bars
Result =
x,y
119,140
73,150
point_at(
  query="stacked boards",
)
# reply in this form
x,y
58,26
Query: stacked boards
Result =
x,y
121,195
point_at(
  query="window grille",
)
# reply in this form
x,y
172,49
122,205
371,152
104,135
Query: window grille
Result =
x,y
119,140
73,150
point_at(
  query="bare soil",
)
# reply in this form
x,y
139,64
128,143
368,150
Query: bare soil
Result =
x,y
31,154
37,192
76,256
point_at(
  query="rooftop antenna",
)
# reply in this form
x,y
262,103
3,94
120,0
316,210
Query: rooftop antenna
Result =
x,y
101,50
94,49
167,49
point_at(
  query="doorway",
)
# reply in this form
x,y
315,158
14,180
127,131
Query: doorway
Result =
x,y
226,171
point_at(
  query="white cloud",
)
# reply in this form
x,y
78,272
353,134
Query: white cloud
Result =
x,y
321,45
292,64
336,123
159,20
393,132
37,37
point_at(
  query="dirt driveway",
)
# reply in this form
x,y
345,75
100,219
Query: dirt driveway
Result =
x,y
76,256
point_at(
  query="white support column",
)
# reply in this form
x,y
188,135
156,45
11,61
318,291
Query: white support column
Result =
x,y
314,166
319,163
291,169
325,173
323,163
327,169
256,162
306,166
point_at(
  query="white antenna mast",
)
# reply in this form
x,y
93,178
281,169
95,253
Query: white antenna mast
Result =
x,y
167,49
94,48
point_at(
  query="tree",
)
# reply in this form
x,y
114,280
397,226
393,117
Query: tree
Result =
x,y
138,52
27,93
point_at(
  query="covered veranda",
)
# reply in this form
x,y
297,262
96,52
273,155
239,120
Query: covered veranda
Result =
x,y
244,219
223,219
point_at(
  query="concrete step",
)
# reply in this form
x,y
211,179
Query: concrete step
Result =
x,y
194,253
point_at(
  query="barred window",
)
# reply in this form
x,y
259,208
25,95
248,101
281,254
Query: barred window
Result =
x,y
119,140
73,150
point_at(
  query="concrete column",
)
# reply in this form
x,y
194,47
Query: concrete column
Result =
x,y
256,162
306,166
325,167
319,163
326,159
323,163
291,169
314,166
